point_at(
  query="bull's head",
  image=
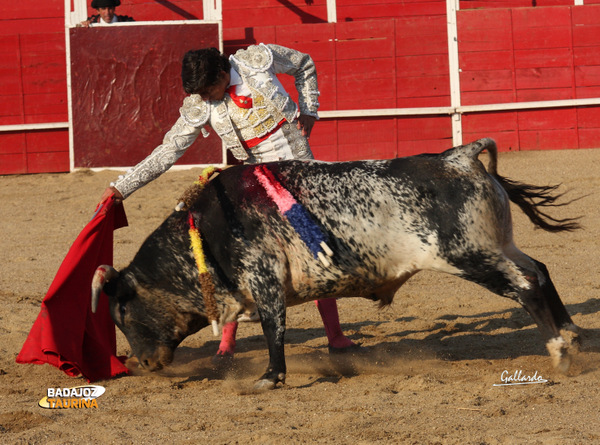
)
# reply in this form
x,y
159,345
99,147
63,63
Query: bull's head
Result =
x,y
152,324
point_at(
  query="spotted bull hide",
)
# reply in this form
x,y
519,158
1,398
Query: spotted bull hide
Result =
x,y
383,220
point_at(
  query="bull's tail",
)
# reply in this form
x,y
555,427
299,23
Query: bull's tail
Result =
x,y
531,199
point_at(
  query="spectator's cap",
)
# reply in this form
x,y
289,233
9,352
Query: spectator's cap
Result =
x,y
96,4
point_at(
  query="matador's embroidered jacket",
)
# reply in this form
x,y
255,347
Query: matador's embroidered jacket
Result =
x,y
257,66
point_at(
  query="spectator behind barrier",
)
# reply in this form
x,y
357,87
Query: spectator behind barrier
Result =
x,y
106,14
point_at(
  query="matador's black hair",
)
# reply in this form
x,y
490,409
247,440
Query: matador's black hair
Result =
x,y
201,69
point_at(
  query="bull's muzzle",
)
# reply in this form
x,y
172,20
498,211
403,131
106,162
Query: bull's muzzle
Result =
x,y
102,276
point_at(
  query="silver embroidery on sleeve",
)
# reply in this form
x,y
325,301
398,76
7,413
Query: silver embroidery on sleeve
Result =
x,y
174,145
302,67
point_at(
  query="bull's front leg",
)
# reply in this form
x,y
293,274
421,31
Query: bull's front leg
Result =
x,y
272,319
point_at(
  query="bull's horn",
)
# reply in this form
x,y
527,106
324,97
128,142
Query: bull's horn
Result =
x,y
102,276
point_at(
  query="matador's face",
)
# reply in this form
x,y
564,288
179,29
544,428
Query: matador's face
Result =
x,y
217,91
107,14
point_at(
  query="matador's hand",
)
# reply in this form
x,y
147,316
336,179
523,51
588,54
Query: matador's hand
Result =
x,y
306,123
109,192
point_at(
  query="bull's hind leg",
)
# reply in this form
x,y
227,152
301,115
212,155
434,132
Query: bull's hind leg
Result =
x,y
527,281
547,309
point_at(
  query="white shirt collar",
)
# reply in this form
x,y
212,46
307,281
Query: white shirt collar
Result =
x,y
101,22
234,77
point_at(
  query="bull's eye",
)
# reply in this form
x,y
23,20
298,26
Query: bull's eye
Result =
x,y
122,311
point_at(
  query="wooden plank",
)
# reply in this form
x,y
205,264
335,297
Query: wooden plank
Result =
x,y
49,104
425,65
238,38
49,162
548,139
10,74
535,19
421,35
357,152
587,55
31,9
423,86
588,117
587,92
546,3
424,128
46,141
484,30
365,69
275,13
488,97
539,38
314,39
12,143
543,57
551,118
394,9
323,140
43,44
9,47
327,153
586,15
542,94
589,137
587,76
13,27
10,82
423,102
484,123
159,10
11,120
358,40
486,80
491,4
486,60
326,76
586,35
12,164
356,94
367,131
44,73
553,77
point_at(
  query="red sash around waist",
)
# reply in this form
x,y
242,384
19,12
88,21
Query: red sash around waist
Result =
x,y
255,141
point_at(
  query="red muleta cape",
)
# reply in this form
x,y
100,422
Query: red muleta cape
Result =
x,y
66,334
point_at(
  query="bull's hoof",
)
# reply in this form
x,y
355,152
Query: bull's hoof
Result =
x,y
264,385
559,352
570,334
266,382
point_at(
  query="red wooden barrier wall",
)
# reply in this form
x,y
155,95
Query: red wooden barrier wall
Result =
x,y
383,54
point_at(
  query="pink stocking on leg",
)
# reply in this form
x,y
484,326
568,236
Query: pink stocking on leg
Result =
x,y
331,322
227,345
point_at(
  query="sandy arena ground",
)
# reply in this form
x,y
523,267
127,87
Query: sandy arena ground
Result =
x,y
434,357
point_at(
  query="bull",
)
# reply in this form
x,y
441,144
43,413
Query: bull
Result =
x,y
384,221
